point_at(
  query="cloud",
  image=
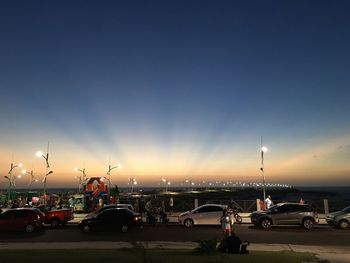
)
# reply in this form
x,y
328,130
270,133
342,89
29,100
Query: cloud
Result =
x,y
344,147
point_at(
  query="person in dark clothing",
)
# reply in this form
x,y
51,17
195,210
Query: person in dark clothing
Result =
x,y
233,244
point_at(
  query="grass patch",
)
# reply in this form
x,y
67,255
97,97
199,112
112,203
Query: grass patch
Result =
x,y
144,255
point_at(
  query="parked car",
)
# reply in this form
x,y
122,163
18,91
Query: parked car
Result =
x,y
286,214
22,219
56,217
209,214
339,218
113,219
113,206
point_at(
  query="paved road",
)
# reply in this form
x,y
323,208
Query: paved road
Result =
x,y
320,235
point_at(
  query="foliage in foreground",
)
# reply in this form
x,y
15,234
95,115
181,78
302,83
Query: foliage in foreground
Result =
x,y
144,255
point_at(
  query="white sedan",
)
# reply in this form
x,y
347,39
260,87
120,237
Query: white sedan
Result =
x,y
209,214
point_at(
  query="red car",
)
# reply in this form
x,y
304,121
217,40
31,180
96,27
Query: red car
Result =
x,y
56,217
22,219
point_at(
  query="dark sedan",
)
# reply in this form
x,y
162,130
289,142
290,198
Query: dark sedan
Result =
x,y
120,219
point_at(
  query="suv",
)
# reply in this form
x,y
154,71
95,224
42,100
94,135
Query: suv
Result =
x,y
22,219
339,218
286,214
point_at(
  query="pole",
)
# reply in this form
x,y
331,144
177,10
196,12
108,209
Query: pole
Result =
x,y
262,168
46,170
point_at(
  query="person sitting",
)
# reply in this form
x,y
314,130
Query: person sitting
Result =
x,y
233,244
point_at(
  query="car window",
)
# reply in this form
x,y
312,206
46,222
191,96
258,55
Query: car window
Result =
x,y
307,208
6,215
284,209
296,208
346,209
21,213
106,214
209,208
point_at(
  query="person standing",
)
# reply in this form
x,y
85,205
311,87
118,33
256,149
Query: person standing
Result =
x,y
171,205
100,202
226,223
301,201
268,202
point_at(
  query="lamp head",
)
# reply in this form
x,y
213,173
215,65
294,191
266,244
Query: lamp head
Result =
x,y
39,154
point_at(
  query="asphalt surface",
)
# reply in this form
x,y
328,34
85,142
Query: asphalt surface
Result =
x,y
321,235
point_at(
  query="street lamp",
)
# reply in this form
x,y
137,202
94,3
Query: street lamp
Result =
x,y
11,179
32,178
110,168
263,149
166,183
47,166
132,182
44,181
82,180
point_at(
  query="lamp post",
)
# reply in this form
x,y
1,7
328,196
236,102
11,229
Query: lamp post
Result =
x,y
263,149
32,178
166,183
132,182
11,179
47,166
110,168
82,180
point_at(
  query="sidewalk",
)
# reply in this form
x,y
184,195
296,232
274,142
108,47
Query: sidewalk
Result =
x,y
332,254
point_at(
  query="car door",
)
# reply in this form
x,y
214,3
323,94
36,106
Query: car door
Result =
x,y
106,220
5,221
295,214
208,215
281,215
20,219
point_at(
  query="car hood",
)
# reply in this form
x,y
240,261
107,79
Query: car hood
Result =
x,y
185,213
335,214
90,215
258,213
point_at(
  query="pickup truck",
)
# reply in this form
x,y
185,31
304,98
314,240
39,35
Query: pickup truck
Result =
x,y
56,217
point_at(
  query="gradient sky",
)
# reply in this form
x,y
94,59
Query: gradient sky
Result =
x,y
177,89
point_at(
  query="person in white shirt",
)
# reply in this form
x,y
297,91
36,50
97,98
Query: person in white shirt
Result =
x,y
268,202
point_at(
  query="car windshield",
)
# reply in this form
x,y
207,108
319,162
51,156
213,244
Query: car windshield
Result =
x,y
272,208
346,209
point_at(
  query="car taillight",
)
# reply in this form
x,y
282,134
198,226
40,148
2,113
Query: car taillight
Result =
x,y
137,218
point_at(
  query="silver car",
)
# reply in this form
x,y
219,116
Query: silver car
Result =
x,y
209,214
286,214
339,218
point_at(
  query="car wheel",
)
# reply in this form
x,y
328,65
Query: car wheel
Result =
x,y
265,223
188,223
29,228
343,224
308,223
86,229
124,228
55,222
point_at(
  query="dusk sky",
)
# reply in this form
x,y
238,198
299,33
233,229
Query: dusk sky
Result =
x,y
176,89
